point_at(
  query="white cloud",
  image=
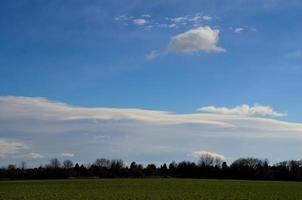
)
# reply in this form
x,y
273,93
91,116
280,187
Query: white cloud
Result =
x,y
8,147
243,110
194,40
238,30
152,55
35,156
139,22
207,153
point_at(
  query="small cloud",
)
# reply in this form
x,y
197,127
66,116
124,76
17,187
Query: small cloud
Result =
x,y
244,109
254,29
195,18
198,154
179,19
139,22
206,17
35,156
121,18
152,55
172,25
197,39
146,16
67,154
189,19
149,27
238,30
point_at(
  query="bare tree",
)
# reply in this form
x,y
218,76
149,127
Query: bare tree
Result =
x,y
23,165
116,164
102,162
210,160
11,167
251,163
55,163
206,160
218,162
67,164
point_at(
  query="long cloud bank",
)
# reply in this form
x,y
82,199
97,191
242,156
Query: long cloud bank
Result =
x,y
33,125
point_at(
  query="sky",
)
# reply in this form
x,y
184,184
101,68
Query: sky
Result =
x,y
150,81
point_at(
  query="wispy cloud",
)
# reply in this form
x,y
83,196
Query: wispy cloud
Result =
x,y
238,30
179,19
152,55
146,15
67,154
35,156
243,29
187,21
294,54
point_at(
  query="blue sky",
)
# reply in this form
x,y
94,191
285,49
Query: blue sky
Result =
x,y
151,55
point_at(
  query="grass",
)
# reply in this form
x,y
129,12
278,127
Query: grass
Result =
x,y
147,189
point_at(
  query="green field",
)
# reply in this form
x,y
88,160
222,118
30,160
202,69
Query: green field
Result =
x,y
149,189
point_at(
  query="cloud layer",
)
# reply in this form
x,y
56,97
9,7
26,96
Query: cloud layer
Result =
x,y
49,128
194,40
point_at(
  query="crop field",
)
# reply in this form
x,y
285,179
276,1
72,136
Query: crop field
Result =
x,y
146,189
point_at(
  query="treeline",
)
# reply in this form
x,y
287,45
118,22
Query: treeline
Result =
x,y
208,167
